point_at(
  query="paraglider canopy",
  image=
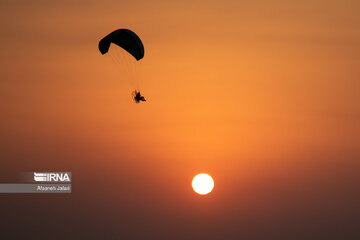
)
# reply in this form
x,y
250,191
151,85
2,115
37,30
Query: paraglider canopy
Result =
x,y
125,39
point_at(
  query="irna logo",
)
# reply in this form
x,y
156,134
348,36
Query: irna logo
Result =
x,y
52,177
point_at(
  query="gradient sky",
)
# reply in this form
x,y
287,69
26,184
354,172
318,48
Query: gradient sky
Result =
x,y
263,95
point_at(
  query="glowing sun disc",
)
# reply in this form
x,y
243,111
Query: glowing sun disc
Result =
x,y
202,183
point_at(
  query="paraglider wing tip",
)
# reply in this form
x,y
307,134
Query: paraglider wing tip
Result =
x,y
104,46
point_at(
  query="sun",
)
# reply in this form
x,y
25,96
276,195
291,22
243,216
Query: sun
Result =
x,y
203,183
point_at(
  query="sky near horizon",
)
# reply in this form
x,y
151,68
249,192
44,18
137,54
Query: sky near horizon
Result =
x,y
262,95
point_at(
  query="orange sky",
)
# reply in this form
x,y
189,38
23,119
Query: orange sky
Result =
x,y
263,95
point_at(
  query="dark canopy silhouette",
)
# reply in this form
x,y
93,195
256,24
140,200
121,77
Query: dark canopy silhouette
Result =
x,y
126,39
